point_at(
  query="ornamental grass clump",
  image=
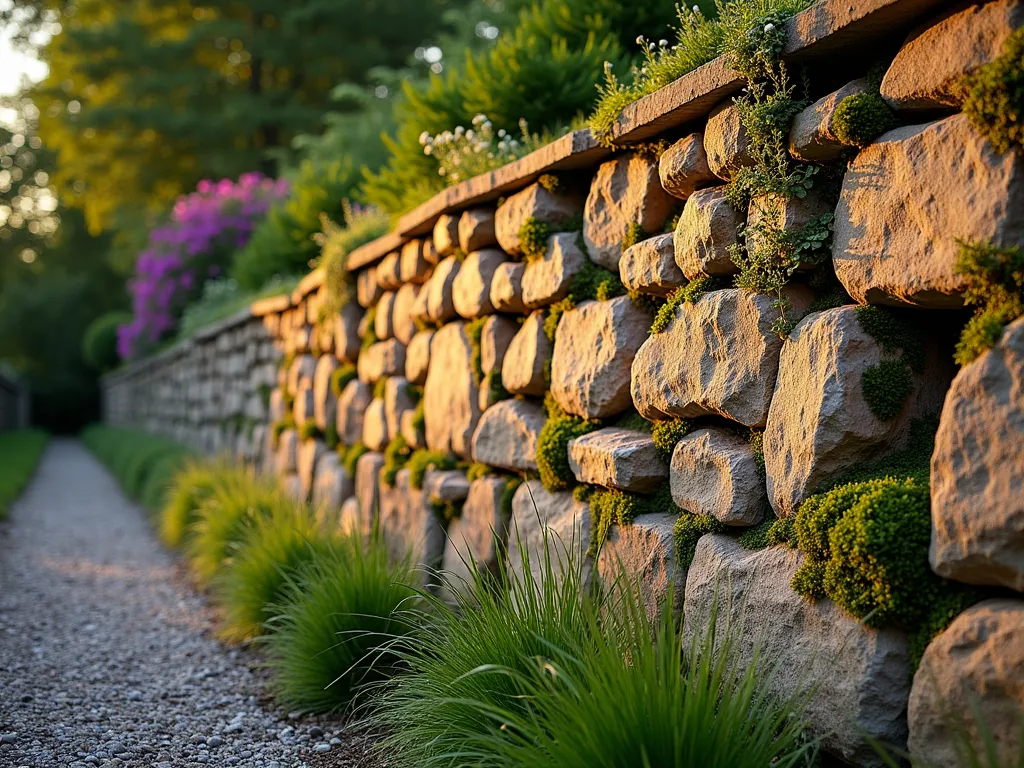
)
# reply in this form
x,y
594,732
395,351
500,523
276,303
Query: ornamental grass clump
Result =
x,y
20,451
192,485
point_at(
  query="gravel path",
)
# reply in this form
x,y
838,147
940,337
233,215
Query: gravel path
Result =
x,y
107,655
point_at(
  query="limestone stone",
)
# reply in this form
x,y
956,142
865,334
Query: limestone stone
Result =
x,y
352,404
413,266
706,230
812,136
346,333
446,234
476,229
626,191
714,472
325,404
331,485
551,525
375,425
644,553
301,372
972,671
495,337
440,301
420,310
820,425
367,290
445,485
977,473
408,526
650,267
594,349
507,288
276,405
617,458
350,518
683,167
896,242
398,398
471,291
787,213
286,457
383,319
548,279
506,436
451,398
368,489
303,409
926,72
417,356
478,535
717,357
403,325
535,202
389,275
385,358
854,680
309,454
726,142
522,370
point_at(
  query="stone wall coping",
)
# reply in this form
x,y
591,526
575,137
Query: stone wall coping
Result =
x,y
270,305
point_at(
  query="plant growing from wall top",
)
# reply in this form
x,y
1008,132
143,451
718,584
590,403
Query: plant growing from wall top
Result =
x,y
994,97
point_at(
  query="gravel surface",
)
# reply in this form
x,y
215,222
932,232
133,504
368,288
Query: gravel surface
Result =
x,y
107,655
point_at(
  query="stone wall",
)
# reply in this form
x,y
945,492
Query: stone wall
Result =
x,y
501,293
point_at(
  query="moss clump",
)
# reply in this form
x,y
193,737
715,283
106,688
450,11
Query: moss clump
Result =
x,y
533,238
350,457
686,533
887,385
756,440
550,182
475,331
421,460
631,419
310,431
634,234
419,416
667,433
591,283
446,510
396,455
611,507
553,446
951,603
379,388
768,533
554,316
994,96
278,427
495,387
331,437
341,377
370,332
861,118
995,287
476,470
686,294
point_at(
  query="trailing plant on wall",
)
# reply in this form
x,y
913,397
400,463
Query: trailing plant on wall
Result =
x,y
994,95
995,288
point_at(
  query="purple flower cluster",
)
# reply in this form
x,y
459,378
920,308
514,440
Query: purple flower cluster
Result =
x,y
204,231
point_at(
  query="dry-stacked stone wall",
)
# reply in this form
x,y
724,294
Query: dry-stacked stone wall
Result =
x,y
600,344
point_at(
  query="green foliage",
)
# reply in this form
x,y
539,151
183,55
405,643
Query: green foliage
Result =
x,y
667,433
595,283
396,454
20,451
685,294
550,182
192,485
99,344
223,298
419,416
687,532
994,96
554,317
341,377
351,457
331,437
423,459
380,387
327,629
533,238
610,507
476,470
310,431
553,446
278,428
886,386
995,287
631,419
370,334
474,332
860,118
768,533
634,234
361,225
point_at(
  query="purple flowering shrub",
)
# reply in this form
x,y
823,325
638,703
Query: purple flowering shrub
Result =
x,y
197,243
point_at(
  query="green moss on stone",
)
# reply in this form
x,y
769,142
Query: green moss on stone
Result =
x,y
423,459
634,234
350,457
550,182
331,438
861,118
341,377
474,331
995,287
310,431
476,470
994,96
667,433
687,532
553,447
610,507
370,336
533,238
886,386
396,455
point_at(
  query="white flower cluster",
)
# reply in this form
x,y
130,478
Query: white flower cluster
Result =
x,y
462,154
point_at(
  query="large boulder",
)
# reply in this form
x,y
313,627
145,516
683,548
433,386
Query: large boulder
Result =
x,y
556,209
706,230
325,404
522,370
853,680
977,474
971,672
301,372
417,356
625,192
507,434
715,472
286,456
302,408
812,135
548,279
451,397
957,187
642,555
927,70
717,357
820,425
440,290
352,404
594,347
683,167
389,271
618,458
346,333
726,141
507,288
548,526
385,358
471,291
476,229
650,267
408,524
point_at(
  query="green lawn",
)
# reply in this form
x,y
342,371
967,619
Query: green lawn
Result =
x,y
20,450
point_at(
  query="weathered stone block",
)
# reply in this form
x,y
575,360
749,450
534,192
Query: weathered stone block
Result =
x,y
684,168
389,275
301,372
618,458
545,525
507,288
402,324
375,426
413,264
398,398
367,290
286,457
522,370
644,553
368,489
446,234
408,525
451,397
478,534
385,358
309,454
495,338
383,319
325,404
471,290
549,278
715,472
707,228
331,487
506,436
417,357
650,267
413,435
303,409
726,141
476,230
346,333
535,202
352,405
440,296
812,136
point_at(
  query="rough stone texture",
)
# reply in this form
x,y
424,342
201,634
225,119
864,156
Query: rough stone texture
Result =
x,y
385,358
644,553
506,436
414,267
548,279
476,229
417,357
718,356
788,213
352,405
594,349
346,333
522,370
977,475
977,662
820,426
383,319
555,520
398,398
909,197
812,135
625,191
507,288
445,485
389,275
332,485
413,435
495,337
534,202
471,291
446,234
714,472
325,404
855,679
618,458
706,229
367,289
451,397
420,310
286,457
478,534
301,372
430,254
726,142
408,525
276,407
440,301
683,167
375,425
402,323
350,518
309,454
650,267
303,407
926,72
368,489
